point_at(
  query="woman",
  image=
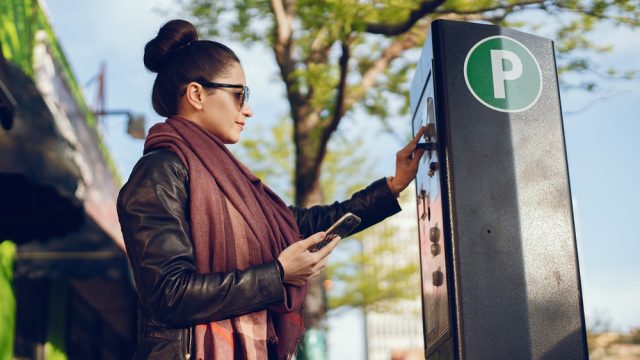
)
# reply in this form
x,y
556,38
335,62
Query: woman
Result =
x,y
217,258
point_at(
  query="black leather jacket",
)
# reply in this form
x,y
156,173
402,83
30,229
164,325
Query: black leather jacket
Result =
x,y
154,216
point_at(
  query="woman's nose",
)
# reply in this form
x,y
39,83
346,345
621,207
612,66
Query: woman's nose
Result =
x,y
247,111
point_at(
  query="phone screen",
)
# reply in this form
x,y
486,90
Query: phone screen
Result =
x,y
343,227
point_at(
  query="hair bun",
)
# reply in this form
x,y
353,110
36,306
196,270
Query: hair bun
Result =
x,y
171,37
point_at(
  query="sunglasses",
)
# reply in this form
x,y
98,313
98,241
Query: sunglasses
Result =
x,y
243,96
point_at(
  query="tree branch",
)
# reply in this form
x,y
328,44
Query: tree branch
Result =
x,y
594,102
471,17
393,51
283,26
616,19
318,54
343,102
283,42
339,109
425,8
317,46
507,8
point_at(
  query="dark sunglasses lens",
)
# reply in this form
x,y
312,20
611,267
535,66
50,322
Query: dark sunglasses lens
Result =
x,y
240,97
244,96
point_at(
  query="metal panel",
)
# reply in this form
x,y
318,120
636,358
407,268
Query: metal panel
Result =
x,y
511,243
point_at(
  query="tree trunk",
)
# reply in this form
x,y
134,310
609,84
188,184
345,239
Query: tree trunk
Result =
x,y
310,151
308,192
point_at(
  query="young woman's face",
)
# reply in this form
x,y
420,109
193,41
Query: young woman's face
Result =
x,y
221,113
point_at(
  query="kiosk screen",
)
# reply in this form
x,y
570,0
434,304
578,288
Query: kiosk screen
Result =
x,y
430,225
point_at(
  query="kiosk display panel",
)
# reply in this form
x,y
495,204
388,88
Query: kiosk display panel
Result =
x,y
430,224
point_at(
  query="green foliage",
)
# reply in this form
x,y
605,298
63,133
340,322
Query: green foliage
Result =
x,y
17,37
379,68
268,152
319,26
238,20
570,24
7,298
20,20
322,78
346,168
374,277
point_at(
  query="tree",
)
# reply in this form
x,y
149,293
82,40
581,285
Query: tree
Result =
x,y
336,56
358,278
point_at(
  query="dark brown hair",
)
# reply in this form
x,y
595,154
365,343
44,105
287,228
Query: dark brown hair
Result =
x,y
179,57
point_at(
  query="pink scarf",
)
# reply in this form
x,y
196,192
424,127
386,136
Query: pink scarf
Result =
x,y
236,221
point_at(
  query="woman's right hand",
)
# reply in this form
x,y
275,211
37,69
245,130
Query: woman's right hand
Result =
x,y
300,264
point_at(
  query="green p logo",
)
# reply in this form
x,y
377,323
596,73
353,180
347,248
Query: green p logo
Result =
x,y
503,74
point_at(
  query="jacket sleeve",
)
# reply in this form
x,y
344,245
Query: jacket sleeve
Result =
x,y
372,204
153,210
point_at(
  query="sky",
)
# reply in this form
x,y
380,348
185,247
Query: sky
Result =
x,y
600,131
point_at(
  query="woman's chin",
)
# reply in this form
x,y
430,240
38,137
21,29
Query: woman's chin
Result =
x,y
232,139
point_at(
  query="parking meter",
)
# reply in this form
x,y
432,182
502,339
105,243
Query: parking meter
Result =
x,y
500,276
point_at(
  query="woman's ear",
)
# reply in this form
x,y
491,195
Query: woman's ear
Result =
x,y
195,95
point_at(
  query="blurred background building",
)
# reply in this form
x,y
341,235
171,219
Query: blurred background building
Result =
x,y
396,332
65,288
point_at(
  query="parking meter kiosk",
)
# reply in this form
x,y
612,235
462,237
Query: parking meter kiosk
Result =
x,y
499,264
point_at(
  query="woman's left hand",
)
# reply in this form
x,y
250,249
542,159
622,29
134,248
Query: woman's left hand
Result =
x,y
407,161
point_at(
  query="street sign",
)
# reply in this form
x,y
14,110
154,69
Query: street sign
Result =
x,y
503,74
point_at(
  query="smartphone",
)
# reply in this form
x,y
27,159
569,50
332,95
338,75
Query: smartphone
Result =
x,y
343,227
